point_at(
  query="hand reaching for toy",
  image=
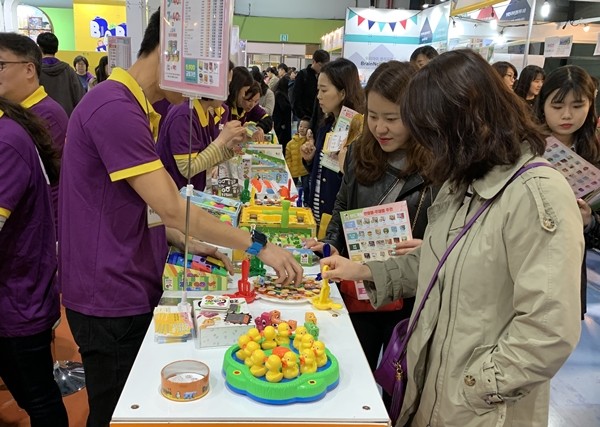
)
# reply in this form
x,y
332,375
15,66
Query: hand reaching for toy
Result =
x,y
232,135
341,268
259,135
403,248
287,268
308,149
197,247
316,246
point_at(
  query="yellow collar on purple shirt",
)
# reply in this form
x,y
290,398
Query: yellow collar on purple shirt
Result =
x,y
1,113
34,98
201,113
123,77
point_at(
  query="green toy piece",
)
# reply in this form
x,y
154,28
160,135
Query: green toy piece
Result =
x,y
256,267
245,194
312,329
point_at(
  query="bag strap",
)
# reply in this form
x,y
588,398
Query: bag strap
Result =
x,y
460,235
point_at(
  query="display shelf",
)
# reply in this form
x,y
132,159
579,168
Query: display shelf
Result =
x,y
354,402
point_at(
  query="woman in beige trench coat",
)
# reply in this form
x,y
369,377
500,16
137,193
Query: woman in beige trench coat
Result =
x,y
503,315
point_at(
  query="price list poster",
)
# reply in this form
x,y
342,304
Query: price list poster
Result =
x,y
195,47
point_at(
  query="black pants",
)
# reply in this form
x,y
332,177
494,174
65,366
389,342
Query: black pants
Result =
x,y
108,347
26,368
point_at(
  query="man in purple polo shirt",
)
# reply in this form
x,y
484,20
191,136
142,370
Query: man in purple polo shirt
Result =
x,y
59,79
110,174
21,84
29,297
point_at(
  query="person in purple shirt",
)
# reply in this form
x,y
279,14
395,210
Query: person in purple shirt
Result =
x,y
21,84
29,297
113,186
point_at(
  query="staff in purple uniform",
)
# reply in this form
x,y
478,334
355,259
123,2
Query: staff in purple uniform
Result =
x,y
20,83
29,297
244,93
111,175
209,145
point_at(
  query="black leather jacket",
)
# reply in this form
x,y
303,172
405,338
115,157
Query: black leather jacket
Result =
x,y
353,195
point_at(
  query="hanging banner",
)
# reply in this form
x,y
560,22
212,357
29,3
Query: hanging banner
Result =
x,y
517,10
558,47
426,35
195,46
458,7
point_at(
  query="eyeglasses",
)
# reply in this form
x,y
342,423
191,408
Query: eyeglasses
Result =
x,y
3,64
510,76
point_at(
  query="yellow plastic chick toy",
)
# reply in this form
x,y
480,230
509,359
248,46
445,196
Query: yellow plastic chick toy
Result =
x,y
254,334
258,368
270,335
300,332
273,365
307,342
250,348
283,334
319,350
290,367
308,364
242,341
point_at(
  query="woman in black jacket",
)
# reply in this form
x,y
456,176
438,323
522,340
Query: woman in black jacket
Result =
x,y
381,167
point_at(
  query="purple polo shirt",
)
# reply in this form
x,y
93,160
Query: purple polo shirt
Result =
x,y
255,115
29,298
108,257
56,120
173,141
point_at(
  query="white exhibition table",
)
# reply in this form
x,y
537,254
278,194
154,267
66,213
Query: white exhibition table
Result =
x,y
355,402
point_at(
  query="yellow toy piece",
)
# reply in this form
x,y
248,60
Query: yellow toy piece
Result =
x,y
300,332
290,367
269,341
273,366
310,317
258,368
320,355
242,341
308,363
283,334
254,334
322,301
307,342
250,348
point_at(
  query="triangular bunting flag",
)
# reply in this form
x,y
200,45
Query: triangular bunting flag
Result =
x,y
415,19
403,23
351,14
392,25
371,23
381,25
360,19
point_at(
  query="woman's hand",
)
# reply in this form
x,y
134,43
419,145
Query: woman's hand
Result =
x,y
197,247
232,135
308,149
403,248
316,246
341,268
287,268
586,212
259,135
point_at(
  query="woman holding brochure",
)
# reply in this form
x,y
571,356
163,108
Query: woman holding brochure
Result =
x,y
338,86
503,312
382,167
566,107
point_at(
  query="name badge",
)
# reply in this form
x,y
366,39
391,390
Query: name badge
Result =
x,y
153,218
361,292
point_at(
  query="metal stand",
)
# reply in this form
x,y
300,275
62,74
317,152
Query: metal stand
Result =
x,y
69,376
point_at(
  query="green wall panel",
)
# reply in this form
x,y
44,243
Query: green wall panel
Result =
x,y
304,31
62,20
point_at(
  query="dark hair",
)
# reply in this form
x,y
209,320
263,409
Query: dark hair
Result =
x,y
23,47
283,86
252,91
258,77
467,131
389,80
502,68
272,70
304,119
101,74
428,51
241,78
151,36
80,58
562,81
529,74
283,67
231,65
321,56
38,133
48,42
343,74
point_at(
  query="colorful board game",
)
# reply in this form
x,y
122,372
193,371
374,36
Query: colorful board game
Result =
x,y
267,289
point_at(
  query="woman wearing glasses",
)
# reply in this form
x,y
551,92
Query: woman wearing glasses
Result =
x,y
507,71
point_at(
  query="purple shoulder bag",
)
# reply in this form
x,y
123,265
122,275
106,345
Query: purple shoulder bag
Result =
x,y
391,374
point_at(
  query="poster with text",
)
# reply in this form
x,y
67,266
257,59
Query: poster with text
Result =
x,y
195,47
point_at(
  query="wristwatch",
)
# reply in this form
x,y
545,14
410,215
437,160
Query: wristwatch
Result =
x,y
259,241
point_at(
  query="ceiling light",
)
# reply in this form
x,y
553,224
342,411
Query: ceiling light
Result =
x,y
425,5
586,27
545,9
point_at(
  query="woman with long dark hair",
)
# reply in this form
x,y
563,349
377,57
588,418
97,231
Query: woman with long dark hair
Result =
x,y
101,72
29,300
530,83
